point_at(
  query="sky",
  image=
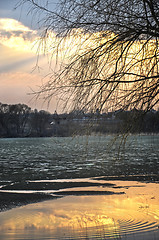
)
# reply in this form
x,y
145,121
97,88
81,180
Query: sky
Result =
x,y
19,76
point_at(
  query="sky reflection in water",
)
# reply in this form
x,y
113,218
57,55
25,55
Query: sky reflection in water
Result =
x,y
135,213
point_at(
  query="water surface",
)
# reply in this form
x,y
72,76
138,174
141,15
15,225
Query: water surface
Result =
x,y
134,215
54,158
67,166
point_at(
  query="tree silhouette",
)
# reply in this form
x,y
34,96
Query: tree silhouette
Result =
x,y
111,58
13,119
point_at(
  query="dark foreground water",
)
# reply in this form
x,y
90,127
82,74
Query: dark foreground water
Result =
x,y
105,190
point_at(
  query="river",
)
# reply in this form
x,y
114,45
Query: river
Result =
x,y
54,158
108,187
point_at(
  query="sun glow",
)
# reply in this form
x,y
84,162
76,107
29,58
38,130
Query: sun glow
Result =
x,y
17,43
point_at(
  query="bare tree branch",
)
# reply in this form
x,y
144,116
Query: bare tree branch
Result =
x,y
112,60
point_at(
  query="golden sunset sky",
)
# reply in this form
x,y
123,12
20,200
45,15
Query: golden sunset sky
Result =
x,y
19,76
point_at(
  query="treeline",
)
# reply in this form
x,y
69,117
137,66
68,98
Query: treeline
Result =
x,y
19,120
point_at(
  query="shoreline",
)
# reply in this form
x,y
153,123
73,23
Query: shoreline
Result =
x,y
45,217
10,200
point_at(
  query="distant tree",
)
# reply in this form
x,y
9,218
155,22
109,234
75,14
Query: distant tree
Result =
x,y
112,59
151,122
4,119
13,119
132,121
19,114
39,123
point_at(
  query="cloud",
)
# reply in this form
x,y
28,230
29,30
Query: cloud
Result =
x,y
9,24
15,35
20,68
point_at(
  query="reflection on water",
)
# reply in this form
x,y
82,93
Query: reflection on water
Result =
x,y
134,215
